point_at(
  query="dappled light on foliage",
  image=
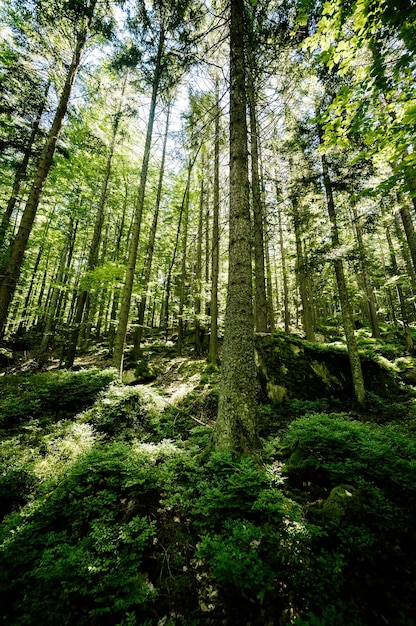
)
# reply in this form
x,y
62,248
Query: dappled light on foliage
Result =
x,y
122,513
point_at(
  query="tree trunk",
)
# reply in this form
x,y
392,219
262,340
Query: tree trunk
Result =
x,y
183,276
135,236
356,371
410,232
198,265
286,311
215,249
12,271
51,314
368,289
259,272
96,237
405,252
235,429
151,242
307,305
21,171
402,300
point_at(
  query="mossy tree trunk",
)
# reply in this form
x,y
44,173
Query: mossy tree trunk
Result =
x,y
235,428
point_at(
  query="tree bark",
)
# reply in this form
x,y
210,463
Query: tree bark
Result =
x,y
198,264
410,232
183,276
258,226
368,289
21,171
307,305
51,314
402,300
235,428
286,311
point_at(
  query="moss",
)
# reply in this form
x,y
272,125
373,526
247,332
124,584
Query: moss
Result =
x,y
276,393
306,370
338,505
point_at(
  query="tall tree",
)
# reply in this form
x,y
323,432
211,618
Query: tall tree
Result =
x,y
354,357
235,428
173,19
98,225
215,248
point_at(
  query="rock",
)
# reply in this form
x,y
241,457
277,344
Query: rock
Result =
x,y
290,367
340,504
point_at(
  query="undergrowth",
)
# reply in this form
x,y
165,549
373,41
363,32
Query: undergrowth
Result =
x,y
109,517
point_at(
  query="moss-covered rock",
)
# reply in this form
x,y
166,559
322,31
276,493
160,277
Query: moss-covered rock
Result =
x,y
290,367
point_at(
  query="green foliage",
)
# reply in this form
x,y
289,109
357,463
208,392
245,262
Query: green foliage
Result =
x,y
49,395
235,558
77,554
358,483
112,517
345,450
123,410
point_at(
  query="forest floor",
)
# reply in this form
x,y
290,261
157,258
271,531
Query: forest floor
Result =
x,y
113,512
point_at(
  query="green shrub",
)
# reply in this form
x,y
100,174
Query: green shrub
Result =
x,y
76,555
49,395
345,450
235,559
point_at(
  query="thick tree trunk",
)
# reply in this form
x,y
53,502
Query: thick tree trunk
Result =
x,y
355,362
135,236
235,428
12,271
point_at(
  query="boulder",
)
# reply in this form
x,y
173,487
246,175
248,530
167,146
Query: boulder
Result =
x,y
290,367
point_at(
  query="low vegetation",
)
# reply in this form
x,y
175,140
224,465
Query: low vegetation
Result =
x,y
113,511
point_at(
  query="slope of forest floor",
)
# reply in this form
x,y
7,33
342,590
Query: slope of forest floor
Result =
x,y
113,513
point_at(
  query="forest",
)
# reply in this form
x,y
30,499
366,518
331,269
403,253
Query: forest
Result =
x,y
207,312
